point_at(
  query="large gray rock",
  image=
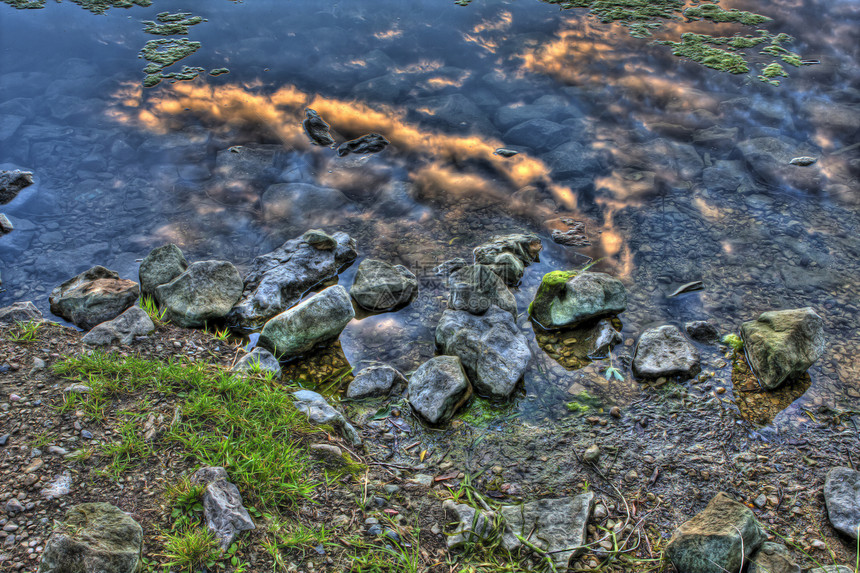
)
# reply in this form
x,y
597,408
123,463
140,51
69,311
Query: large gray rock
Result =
x,y
509,255
555,525
260,360
122,329
380,286
11,183
375,381
716,540
842,496
567,299
438,388
94,538
772,558
161,265
318,319
223,510
320,412
278,280
475,288
664,351
19,312
493,351
783,343
93,297
472,525
206,291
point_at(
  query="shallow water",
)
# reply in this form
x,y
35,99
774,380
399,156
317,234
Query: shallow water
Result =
x,y
661,158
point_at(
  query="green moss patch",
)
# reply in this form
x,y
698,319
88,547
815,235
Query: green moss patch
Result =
x,y
716,14
700,48
219,71
771,72
171,24
165,52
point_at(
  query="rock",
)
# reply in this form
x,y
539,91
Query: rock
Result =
x,y
318,319
508,255
329,454
133,322
94,538
6,226
320,412
259,360
717,539
317,129
438,388
301,204
206,291
279,279
702,331
473,526
664,351
592,454
539,134
475,288
222,505
842,496
19,312
555,525
161,266
768,156
600,339
783,343
93,297
453,113
370,143
13,506
571,160
569,298
380,286
375,381
319,240
772,558
832,569
492,350
450,266
250,162
61,486
11,183
803,161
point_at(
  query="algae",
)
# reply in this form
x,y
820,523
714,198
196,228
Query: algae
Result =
x,y
171,24
219,71
771,72
165,52
700,48
714,13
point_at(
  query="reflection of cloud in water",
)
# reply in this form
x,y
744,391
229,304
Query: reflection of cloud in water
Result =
x,y
486,33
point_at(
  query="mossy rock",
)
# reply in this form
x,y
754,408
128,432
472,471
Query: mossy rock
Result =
x,y
567,298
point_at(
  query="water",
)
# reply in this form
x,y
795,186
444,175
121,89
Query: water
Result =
x,y
662,159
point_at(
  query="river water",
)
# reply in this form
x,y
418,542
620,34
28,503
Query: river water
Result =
x,y
680,173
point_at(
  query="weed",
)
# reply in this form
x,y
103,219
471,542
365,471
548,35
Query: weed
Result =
x,y
185,497
127,452
148,304
41,440
189,549
24,332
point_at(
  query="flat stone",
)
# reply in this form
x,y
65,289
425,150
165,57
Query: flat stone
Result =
x,y
438,388
93,297
772,558
123,329
206,291
473,525
842,496
664,351
19,312
375,381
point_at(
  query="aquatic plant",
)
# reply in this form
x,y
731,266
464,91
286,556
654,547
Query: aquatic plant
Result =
x,y
171,24
734,341
716,14
771,72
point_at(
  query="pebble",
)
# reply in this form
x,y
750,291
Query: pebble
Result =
x,y
391,488
3,439
599,511
35,466
615,412
592,454
14,506
86,434
760,501
14,398
721,390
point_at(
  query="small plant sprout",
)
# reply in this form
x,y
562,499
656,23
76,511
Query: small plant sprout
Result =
x,y
25,331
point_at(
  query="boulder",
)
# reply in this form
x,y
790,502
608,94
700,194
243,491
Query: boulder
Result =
x,y
772,558
161,266
569,298
493,351
11,183
93,297
716,540
320,412
375,381
259,360
555,525
438,388
320,318
664,351
19,312
122,329
783,343
380,286
279,279
475,288
93,538
509,255
702,331
206,291
223,511
842,496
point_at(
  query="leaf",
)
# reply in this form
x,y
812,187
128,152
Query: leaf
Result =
x,y
382,413
234,561
233,549
423,455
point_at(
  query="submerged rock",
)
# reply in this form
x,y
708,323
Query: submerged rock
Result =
x,y
716,540
783,343
569,298
94,537
842,496
206,291
664,351
539,134
509,255
702,331
375,381
317,129
93,297
772,558
320,412
259,360
302,203
370,143
278,280
438,388
223,510
475,288
133,322
24,311
380,286
12,182
493,351
161,265
450,266
318,319
803,161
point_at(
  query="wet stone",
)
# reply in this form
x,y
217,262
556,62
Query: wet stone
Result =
x,y
93,297
206,291
6,226
12,182
567,299
317,129
508,255
380,286
702,331
19,312
475,288
664,351
370,143
161,266
438,388
375,381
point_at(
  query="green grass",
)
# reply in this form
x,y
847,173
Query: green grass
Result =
x,y
190,549
24,331
148,304
126,453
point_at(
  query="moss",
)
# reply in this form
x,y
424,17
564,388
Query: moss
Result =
x,y
549,286
25,4
166,52
700,48
219,71
582,402
714,13
186,73
152,80
734,341
171,24
772,71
